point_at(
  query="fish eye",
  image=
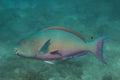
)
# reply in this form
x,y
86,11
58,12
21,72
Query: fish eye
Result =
x,y
91,37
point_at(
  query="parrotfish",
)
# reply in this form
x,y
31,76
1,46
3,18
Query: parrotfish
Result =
x,y
58,43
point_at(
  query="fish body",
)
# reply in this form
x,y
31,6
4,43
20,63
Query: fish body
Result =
x,y
55,43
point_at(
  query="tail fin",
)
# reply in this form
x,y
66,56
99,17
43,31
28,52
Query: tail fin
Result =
x,y
99,48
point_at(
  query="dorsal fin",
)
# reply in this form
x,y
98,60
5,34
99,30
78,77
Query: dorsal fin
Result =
x,y
68,30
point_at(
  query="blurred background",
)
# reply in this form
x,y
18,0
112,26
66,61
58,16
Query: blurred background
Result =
x,y
91,18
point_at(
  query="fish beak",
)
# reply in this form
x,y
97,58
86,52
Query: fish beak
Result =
x,y
16,51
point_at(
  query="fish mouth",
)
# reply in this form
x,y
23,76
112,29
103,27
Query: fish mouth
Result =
x,y
16,51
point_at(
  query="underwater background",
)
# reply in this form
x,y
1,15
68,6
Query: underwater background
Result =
x,y
91,18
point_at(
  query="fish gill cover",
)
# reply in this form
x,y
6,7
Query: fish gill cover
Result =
x,y
21,18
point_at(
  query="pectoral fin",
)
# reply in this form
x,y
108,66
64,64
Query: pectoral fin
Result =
x,y
45,47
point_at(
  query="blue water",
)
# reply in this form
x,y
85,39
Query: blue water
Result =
x,y
91,18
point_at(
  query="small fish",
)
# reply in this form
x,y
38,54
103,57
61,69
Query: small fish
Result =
x,y
58,43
